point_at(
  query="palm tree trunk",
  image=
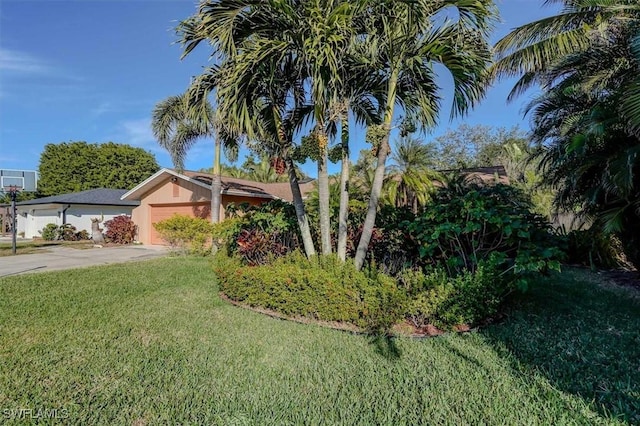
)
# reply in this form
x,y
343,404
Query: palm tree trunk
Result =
x,y
343,214
378,178
216,185
323,198
301,215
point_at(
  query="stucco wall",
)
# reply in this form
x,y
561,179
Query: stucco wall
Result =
x,y
181,193
167,192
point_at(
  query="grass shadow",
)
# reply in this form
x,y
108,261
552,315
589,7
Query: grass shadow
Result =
x,y
386,347
582,335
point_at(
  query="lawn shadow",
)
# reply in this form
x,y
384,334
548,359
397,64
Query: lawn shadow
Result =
x,y
386,347
582,336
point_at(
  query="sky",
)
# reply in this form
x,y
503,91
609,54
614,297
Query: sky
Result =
x,y
92,70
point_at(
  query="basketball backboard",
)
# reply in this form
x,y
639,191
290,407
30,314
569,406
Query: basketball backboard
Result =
x,y
24,180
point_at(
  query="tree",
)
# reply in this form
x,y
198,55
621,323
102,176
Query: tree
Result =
x,y
79,166
178,123
306,38
266,102
411,175
474,146
587,61
404,42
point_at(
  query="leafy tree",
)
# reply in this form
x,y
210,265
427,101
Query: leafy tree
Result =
x,y
79,166
474,146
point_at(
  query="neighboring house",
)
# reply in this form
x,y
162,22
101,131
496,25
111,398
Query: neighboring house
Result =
x,y
168,192
76,209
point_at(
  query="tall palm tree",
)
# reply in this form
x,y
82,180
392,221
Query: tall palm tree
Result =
x,y
411,175
405,39
178,124
316,33
265,105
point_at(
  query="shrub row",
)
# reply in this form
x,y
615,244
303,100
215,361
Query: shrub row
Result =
x,y
65,232
328,290
322,288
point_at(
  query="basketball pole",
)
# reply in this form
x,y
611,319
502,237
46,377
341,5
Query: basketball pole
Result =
x,y
13,192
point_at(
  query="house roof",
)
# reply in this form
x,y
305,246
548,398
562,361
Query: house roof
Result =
x,y
100,196
230,186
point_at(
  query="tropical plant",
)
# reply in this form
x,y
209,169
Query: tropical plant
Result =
x,y
267,103
404,42
468,224
411,177
120,230
587,60
178,123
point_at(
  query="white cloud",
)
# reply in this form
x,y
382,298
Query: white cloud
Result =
x,y
138,133
13,60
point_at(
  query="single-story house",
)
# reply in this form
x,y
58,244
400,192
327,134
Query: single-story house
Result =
x,y
75,208
168,192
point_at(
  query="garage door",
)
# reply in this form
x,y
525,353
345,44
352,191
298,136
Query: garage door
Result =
x,y
162,212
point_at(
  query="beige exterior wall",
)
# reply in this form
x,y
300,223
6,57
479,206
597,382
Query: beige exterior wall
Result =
x,y
167,192
181,193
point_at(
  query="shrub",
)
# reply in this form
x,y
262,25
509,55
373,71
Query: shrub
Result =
x,y
83,235
263,232
50,232
190,235
322,288
65,232
592,247
461,228
120,230
435,298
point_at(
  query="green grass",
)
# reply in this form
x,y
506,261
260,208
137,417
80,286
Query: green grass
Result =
x,y
39,246
151,342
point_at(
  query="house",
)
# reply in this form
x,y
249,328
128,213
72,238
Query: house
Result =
x,y
168,192
75,208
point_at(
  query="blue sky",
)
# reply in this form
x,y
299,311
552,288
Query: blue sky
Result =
x,y
93,70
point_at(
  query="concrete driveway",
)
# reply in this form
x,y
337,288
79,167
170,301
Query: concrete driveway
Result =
x,y
57,258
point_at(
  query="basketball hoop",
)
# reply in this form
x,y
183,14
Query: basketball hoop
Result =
x,y
12,189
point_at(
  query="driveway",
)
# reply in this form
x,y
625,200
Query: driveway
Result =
x,y
57,258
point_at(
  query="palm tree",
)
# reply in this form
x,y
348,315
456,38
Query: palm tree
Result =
x,y
178,124
587,61
249,33
266,103
404,42
411,177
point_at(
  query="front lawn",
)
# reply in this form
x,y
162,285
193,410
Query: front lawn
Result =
x,y
39,246
151,342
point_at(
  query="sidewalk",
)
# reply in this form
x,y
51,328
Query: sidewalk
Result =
x,y
58,258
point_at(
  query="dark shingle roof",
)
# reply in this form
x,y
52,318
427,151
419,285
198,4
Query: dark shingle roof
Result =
x,y
101,196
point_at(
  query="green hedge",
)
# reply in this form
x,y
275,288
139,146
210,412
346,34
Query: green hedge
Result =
x,y
443,301
189,235
322,288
